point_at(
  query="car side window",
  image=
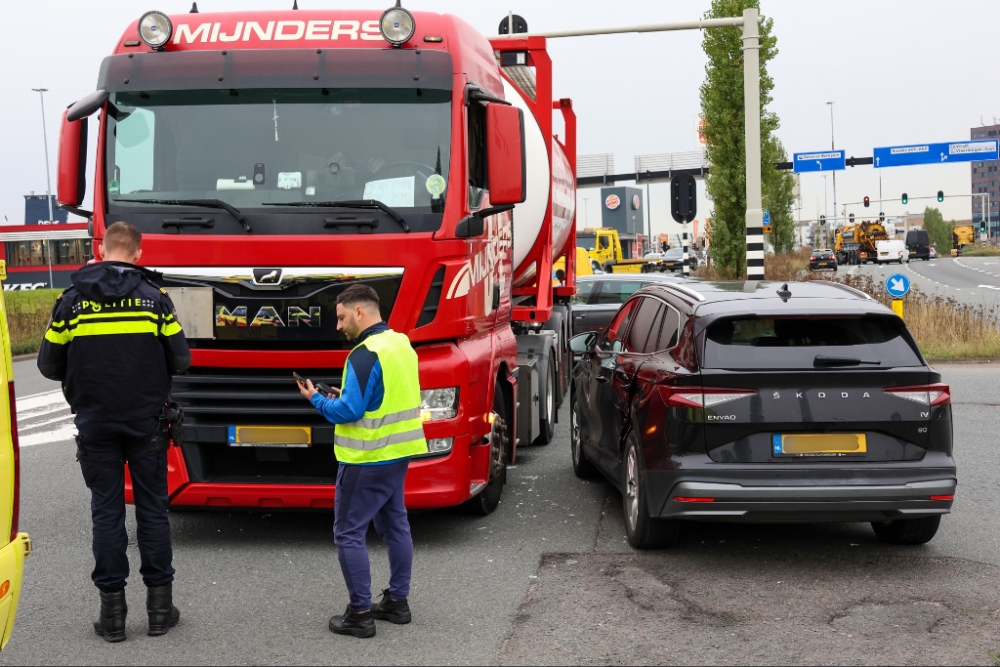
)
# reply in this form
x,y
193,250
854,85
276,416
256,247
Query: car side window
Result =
x,y
670,329
617,291
611,340
583,291
642,324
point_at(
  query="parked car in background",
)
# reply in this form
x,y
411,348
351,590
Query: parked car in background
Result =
x,y
822,259
598,298
762,402
891,251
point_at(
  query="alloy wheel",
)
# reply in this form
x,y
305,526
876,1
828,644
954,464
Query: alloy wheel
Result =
x,y
632,489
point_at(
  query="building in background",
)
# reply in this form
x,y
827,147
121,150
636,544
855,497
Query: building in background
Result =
x,y
36,210
986,179
43,256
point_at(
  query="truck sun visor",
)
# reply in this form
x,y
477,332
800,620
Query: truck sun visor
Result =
x,y
85,106
277,68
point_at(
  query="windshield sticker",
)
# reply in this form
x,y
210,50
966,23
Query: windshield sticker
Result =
x,y
289,180
240,183
435,185
114,188
394,192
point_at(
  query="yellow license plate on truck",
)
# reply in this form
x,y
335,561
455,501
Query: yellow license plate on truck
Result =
x,y
819,444
270,436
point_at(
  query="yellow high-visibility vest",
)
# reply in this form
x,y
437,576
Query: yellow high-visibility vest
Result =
x,y
395,430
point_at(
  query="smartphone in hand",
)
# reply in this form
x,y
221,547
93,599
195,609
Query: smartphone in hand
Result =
x,y
298,378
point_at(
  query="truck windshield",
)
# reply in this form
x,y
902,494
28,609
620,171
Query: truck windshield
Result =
x,y
252,148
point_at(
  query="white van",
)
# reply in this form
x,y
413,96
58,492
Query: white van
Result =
x,y
892,251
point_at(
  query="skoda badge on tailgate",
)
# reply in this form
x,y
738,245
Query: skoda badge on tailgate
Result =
x,y
266,276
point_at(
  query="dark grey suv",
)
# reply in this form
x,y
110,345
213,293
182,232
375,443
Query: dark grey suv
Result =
x,y
763,402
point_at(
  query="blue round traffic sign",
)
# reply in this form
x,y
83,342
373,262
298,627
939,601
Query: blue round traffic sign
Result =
x,y
897,285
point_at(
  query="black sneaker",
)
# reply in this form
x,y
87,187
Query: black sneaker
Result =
x,y
354,624
394,611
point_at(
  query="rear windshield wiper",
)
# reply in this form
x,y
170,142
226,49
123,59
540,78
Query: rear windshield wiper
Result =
x,y
203,203
822,360
353,203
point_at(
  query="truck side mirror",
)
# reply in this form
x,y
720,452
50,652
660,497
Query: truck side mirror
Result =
x,y
505,154
72,171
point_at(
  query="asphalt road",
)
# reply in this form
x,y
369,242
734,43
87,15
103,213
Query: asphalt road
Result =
x,y
548,578
974,280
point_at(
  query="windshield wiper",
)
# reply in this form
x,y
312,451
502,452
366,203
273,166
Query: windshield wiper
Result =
x,y
203,203
822,360
352,203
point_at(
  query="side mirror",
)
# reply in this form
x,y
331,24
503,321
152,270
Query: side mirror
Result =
x,y
72,170
505,154
583,343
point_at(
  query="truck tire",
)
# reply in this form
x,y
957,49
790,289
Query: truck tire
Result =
x,y
907,531
547,413
642,530
488,499
609,268
582,467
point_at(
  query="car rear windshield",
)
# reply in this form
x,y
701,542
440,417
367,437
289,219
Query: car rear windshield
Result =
x,y
781,343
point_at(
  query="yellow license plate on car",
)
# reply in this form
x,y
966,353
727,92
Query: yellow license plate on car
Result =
x,y
270,436
819,444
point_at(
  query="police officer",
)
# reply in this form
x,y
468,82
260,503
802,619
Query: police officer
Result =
x,y
378,427
114,341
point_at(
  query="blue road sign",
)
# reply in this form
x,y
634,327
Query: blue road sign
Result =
x,y
897,285
818,161
956,151
767,217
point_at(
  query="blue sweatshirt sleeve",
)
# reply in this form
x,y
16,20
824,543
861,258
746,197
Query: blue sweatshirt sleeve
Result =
x,y
352,404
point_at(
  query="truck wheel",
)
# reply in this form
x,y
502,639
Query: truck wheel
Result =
x,y
582,467
907,531
547,414
609,268
642,530
489,498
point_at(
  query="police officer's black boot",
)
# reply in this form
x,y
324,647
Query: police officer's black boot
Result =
x,y
111,623
163,615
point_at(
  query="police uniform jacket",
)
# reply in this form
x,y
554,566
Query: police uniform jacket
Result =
x,y
113,341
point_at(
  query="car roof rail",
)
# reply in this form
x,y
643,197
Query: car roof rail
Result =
x,y
684,290
847,288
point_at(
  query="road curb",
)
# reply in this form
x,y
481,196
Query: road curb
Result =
x,y
970,360
25,357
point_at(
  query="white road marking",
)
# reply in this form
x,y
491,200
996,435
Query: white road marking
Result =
x,y
38,412
990,287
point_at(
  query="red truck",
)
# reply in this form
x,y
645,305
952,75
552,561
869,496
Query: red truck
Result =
x,y
271,159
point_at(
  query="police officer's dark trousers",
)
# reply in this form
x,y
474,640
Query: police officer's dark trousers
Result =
x,y
367,494
103,449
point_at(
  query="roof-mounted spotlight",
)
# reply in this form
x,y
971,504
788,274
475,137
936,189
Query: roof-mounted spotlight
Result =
x,y
397,25
155,30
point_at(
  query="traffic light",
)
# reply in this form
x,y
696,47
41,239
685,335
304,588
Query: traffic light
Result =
x,y
822,220
850,216
906,198
982,226
940,195
866,202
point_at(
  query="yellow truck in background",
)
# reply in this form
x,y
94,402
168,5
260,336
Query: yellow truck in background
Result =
x,y
855,244
961,236
605,246
18,545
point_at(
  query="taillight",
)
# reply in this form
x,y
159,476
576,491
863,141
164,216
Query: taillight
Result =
x,y
925,394
813,258
16,504
683,397
691,499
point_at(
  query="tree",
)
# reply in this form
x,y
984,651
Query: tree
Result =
x,y
938,230
722,108
778,198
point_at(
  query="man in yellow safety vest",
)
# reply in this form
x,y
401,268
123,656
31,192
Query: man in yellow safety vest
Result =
x,y
378,429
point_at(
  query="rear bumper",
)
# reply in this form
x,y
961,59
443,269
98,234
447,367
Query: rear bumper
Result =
x,y
806,493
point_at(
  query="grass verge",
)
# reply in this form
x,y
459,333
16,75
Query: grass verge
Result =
x,y
27,317
981,251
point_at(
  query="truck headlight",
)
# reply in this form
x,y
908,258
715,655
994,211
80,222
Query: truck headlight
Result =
x,y
436,404
155,29
397,25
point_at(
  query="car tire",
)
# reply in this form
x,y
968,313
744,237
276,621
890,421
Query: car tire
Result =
x,y
488,499
582,467
642,530
907,531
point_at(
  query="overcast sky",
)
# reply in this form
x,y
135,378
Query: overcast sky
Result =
x,y
900,72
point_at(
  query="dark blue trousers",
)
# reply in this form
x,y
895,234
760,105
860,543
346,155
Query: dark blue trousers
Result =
x,y
366,494
103,449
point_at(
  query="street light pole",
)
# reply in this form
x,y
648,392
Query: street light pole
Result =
x,y
45,137
833,146
586,215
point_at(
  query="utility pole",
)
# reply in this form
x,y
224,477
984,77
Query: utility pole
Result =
x,y
751,96
586,215
833,146
48,178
